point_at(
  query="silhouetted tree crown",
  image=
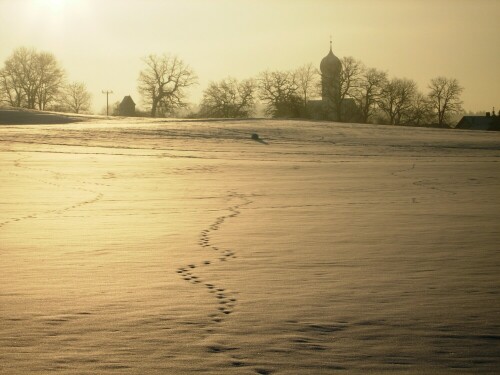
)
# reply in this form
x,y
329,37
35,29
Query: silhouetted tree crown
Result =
x,y
280,92
307,78
396,99
75,97
368,92
30,79
444,98
163,83
229,98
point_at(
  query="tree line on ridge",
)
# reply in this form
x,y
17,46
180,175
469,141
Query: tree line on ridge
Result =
x,y
35,80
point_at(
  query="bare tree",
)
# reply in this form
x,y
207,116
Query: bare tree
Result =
x,y
420,112
76,97
30,79
397,98
18,76
11,92
163,83
280,92
23,66
444,97
229,98
368,91
50,79
307,82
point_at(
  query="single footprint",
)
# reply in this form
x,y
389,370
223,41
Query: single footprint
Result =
x,y
262,371
237,363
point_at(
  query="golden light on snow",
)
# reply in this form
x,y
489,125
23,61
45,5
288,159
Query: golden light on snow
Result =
x,y
334,246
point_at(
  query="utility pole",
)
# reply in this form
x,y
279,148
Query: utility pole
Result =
x,y
107,92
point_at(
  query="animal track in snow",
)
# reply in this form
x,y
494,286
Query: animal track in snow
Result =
x,y
423,183
97,197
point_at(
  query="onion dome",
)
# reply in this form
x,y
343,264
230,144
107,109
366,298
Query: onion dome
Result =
x,y
330,65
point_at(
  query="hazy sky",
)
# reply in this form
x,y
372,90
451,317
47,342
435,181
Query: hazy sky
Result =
x,y
101,42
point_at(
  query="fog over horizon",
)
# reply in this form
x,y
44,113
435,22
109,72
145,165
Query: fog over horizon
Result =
x,y
103,43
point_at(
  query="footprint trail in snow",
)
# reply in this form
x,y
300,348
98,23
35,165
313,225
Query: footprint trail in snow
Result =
x,y
226,300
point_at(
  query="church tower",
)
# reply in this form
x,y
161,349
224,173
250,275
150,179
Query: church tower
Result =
x,y
330,68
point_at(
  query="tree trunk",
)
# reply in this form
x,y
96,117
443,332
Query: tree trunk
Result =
x,y
153,108
339,110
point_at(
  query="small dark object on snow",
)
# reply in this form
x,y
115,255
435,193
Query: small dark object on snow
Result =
x,y
255,137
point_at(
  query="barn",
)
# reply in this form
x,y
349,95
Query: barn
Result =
x,y
127,107
487,122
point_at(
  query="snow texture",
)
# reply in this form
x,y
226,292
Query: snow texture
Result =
x,y
139,246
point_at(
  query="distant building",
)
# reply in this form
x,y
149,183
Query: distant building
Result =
x,y
331,69
487,122
126,107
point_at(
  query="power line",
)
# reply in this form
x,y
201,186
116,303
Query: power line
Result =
x,y
107,92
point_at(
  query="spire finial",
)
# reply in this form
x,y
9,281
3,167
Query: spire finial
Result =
x,y
330,42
